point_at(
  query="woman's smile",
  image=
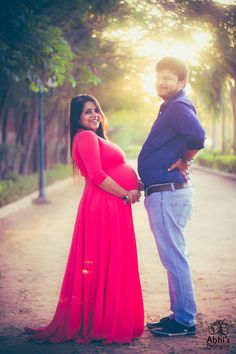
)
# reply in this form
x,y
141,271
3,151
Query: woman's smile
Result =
x,y
90,117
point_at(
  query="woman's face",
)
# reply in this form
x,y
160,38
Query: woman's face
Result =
x,y
90,117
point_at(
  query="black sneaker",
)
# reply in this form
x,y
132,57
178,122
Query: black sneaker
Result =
x,y
163,320
173,328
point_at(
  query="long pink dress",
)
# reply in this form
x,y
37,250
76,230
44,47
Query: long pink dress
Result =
x,y
101,296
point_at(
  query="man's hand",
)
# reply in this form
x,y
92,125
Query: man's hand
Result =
x,y
182,167
140,185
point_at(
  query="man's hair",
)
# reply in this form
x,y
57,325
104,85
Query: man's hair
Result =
x,y
175,65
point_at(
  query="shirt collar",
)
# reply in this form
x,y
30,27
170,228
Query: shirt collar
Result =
x,y
172,98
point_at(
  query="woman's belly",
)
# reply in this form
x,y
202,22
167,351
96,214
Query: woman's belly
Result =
x,y
124,175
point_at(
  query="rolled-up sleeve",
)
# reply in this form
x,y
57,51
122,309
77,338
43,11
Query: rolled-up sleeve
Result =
x,y
89,151
185,121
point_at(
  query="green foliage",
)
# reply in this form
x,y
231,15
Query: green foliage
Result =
x,y
129,114
51,43
8,154
51,40
63,43
218,61
30,48
132,151
11,190
127,128
57,173
216,161
20,186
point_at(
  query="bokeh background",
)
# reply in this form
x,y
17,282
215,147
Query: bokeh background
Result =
x,y
108,48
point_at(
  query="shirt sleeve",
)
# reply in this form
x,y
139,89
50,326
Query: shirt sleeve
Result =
x,y
184,119
89,151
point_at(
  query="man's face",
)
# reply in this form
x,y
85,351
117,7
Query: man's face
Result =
x,y
168,84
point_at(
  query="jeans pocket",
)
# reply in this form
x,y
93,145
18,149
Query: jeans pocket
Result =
x,y
182,212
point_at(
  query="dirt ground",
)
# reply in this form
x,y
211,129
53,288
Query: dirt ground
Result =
x,y
34,246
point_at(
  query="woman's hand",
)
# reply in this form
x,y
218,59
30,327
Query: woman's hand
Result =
x,y
134,196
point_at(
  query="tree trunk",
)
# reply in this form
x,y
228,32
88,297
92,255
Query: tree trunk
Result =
x,y
67,142
4,126
50,121
233,101
21,127
50,118
59,140
223,148
65,137
32,138
3,115
214,134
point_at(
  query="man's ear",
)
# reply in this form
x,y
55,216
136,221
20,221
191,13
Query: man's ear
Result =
x,y
182,83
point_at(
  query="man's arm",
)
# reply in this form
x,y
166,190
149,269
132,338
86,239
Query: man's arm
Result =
x,y
185,121
184,163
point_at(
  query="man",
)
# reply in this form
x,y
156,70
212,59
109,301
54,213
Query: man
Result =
x,y
163,165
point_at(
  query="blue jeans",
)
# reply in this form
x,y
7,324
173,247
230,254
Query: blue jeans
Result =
x,y
168,214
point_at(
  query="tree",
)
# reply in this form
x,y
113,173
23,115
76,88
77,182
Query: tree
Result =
x,y
221,21
49,42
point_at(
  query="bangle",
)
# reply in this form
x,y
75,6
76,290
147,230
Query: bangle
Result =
x,y
126,198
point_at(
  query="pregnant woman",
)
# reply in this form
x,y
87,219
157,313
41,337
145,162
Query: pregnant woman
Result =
x,y
101,296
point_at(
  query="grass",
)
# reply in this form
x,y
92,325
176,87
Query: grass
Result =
x,y
19,186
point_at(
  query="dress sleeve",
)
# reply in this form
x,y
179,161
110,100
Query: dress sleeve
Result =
x,y
185,121
89,151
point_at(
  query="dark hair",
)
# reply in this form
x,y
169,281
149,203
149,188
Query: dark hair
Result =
x,y
76,108
177,66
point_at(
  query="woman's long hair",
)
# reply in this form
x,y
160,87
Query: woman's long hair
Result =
x,y
76,108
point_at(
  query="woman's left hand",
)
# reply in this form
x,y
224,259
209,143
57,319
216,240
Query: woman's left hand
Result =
x,y
134,196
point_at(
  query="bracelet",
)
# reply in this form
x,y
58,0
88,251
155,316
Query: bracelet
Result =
x,y
126,198
187,162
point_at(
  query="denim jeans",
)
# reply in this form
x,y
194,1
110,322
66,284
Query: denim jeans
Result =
x,y
168,214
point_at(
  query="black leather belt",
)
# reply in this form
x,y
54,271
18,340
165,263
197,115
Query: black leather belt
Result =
x,y
166,187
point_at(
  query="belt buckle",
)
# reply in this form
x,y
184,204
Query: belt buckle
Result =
x,y
146,192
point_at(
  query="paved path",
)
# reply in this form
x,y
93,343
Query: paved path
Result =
x,y
34,248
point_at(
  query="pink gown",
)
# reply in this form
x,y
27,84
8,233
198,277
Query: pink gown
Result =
x,y
101,297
